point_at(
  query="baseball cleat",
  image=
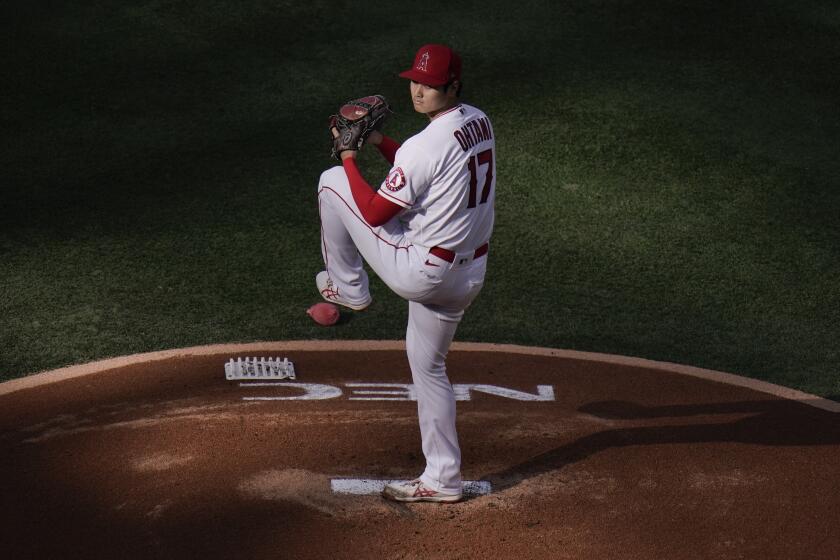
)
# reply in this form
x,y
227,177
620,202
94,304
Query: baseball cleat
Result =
x,y
329,292
416,491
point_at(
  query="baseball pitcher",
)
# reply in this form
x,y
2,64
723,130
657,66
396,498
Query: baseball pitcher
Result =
x,y
424,231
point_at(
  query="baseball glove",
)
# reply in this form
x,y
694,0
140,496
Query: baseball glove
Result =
x,y
355,120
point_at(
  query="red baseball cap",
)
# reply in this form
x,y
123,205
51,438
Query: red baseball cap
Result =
x,y
434,65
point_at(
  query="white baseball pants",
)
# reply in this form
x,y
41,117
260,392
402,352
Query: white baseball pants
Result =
x,y
438,292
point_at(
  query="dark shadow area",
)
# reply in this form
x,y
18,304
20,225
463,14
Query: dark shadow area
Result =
x,y
625,410
774,423
171,101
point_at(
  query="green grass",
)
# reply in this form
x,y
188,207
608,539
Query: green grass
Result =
x,y
668,183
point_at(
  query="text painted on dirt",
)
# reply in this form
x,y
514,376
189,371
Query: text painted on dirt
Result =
x,y
382,392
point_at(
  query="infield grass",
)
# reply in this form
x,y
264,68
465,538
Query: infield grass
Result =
x,y
668,176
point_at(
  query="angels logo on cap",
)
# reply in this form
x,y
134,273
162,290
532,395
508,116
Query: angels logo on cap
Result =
x,y
423,63
395,180
434,65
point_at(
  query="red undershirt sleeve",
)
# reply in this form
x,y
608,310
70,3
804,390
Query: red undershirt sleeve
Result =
x,y
388,148
375,209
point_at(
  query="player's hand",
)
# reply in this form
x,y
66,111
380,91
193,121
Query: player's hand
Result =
x,y
355,122
345,154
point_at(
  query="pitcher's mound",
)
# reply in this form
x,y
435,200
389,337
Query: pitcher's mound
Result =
x,y
159,456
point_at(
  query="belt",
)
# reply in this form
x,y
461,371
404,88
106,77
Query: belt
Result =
x,y
449,256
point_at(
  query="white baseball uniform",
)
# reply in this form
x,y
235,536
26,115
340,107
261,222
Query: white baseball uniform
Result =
x,y
444,177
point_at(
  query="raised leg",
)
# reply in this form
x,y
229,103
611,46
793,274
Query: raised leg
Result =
x,y
341,256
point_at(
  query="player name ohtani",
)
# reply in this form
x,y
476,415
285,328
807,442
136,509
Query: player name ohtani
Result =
x,y
473,132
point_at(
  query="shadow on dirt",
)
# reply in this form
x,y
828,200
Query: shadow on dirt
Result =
x,y
771,423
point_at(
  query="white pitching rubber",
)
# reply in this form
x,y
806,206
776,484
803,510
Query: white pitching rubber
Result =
x,y
364,486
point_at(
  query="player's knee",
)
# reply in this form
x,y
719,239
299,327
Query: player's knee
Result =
x,y
332,177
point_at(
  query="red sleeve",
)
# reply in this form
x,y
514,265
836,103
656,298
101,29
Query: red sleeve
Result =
x,y
388,148
375,209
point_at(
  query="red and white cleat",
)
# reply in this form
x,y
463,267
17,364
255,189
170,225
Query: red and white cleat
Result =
x,y
329,292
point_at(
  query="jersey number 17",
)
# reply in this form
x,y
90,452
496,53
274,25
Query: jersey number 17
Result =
x,y
483,158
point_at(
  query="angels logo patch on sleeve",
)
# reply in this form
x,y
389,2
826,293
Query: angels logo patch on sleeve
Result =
x,y
395,180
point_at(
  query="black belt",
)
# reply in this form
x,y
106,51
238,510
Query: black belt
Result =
x,y
449,256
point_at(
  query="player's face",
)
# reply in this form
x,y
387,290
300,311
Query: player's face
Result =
x,y
430,100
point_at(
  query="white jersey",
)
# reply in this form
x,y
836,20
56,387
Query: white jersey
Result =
x,y
445,177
